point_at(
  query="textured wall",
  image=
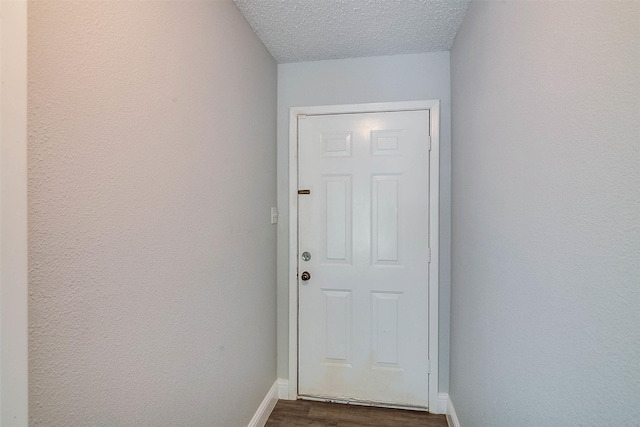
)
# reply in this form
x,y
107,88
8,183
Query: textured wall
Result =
x,y
151,175
352,81
545,323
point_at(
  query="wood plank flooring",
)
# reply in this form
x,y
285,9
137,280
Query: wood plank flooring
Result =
x,y
294,413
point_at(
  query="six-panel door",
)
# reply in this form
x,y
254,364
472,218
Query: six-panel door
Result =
x,y
363,314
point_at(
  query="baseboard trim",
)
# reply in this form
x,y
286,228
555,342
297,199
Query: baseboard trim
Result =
x,y
264,410
283,389
443,402
452,418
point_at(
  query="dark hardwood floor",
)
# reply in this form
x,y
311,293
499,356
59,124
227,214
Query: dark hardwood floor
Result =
x,y
293,413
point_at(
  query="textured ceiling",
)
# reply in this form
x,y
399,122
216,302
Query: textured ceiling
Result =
x,y
311,30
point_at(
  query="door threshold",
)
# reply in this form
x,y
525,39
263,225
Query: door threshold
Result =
x,y
346,401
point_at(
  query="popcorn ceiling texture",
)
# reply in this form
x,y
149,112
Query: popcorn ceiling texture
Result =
x,y
545,287
151,254
311,30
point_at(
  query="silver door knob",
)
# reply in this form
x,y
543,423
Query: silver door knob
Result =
x,y
305,276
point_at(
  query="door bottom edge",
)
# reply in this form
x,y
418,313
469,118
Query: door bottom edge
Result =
x,y
363,402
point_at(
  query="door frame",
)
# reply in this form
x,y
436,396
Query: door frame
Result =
x,y
434,221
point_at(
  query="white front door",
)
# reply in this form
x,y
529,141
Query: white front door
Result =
x,y
364,241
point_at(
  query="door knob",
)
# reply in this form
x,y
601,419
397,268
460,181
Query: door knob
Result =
x,y
305,276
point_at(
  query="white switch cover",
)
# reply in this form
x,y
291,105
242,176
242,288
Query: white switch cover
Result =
x,y
274,215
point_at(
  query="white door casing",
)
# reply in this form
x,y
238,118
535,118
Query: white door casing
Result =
x,y
367,318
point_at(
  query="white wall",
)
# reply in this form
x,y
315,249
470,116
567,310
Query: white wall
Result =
x,y
13,214
350,81
151,175
546,215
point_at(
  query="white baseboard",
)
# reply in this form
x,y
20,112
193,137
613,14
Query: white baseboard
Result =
x,y
264,410
443,402
452,418
283,388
